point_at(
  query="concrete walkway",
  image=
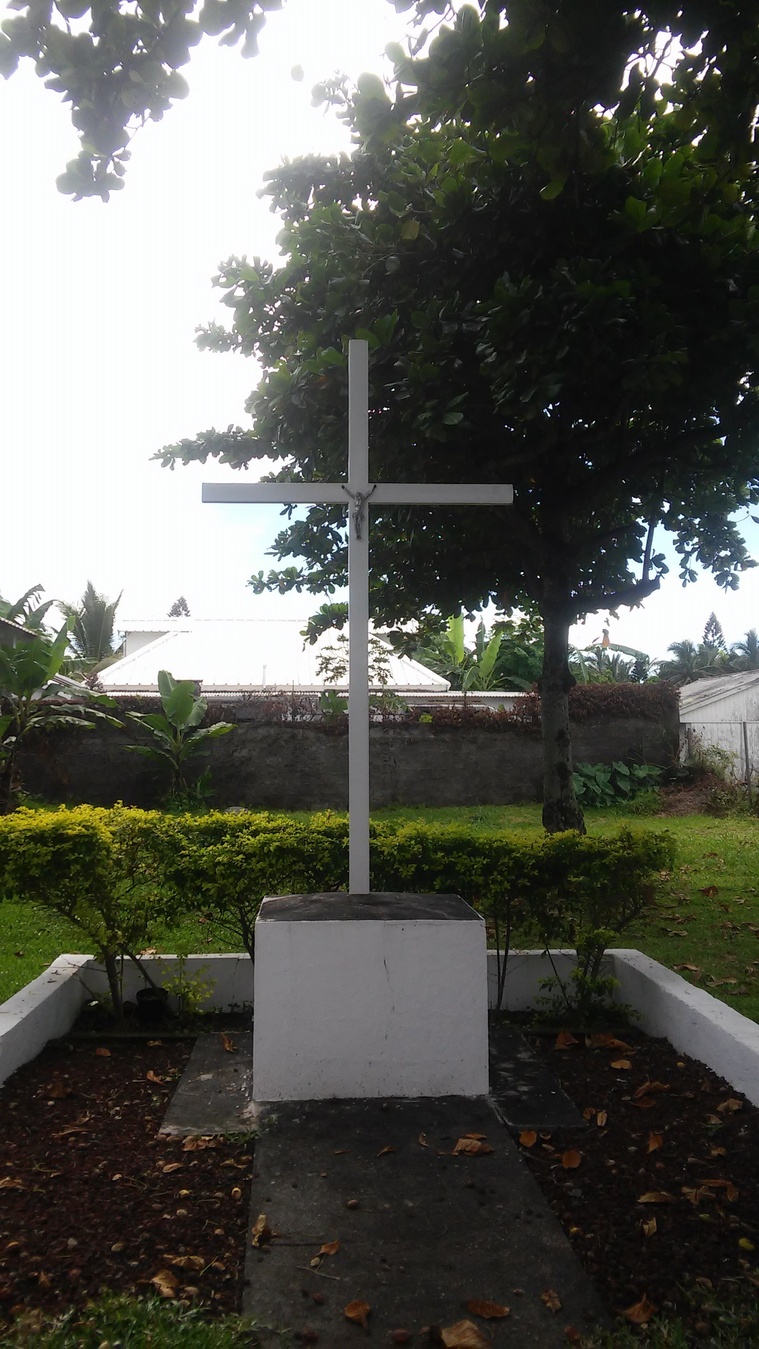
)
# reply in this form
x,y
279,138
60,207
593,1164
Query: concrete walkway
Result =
x,y
421,1229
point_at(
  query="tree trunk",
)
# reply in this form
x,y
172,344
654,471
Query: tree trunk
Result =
x,y
114,984
560,807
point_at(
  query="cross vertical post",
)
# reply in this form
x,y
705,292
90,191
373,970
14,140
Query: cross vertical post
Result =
x,y
355,494
358,619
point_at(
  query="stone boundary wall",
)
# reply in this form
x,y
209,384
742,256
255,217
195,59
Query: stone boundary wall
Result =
x,y
305,767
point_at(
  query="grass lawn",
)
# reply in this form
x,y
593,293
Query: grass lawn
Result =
x,y
707,916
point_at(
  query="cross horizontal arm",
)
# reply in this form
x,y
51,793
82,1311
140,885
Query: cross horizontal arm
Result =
x,y
383,494
442,494
308,493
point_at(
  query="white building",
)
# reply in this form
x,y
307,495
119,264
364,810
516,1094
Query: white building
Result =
x,y
723,712
228,658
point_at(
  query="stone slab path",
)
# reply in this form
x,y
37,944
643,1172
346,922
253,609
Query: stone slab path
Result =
x,y
422,1231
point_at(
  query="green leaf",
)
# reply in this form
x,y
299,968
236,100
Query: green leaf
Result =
x,y
555,187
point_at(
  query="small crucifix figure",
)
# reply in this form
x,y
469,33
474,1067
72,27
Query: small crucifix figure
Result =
x,y
357,493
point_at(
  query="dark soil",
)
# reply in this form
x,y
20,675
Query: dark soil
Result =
x,y
93,1200
660,1195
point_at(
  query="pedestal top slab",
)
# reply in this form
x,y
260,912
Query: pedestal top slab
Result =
x,y
379,907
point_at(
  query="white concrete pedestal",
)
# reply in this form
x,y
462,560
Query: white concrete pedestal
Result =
x,y
369,995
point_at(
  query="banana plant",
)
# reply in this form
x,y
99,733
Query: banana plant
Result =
x,y
176,731
30,701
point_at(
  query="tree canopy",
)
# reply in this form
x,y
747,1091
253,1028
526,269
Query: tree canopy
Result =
x,y
556,268
117,63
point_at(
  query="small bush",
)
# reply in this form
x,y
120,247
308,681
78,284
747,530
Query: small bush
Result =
x,y
93,867
600,784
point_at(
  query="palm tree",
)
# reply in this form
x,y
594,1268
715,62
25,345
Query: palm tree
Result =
x,y
91,638
745,654
692,662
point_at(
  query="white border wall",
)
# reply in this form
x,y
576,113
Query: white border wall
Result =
x,y
691,1019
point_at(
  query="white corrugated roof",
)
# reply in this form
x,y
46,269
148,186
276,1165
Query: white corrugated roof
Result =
x,y
244,654
710,690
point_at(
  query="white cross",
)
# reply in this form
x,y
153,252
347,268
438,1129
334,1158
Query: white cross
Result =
x,y
356,492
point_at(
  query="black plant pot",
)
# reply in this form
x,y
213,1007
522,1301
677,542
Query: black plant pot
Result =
x,y
152,1005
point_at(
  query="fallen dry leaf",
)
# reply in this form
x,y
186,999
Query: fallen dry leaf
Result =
x,y
551,1299
464,1335
729,1106
168,1167
571,1159
473,1147
329,1248
165,1283
358,1312
58,1091
644,1103
102,1053
229,1046
731,1193
564,1040
489,1311
384,1151
153,1077
649,1089
604,1041
640,1313
422,1140
352,1203
648,1226
601,1118
655,1141
10,1183
528,1138
656,1197
260,1231
620,1063
187,1261
477,1136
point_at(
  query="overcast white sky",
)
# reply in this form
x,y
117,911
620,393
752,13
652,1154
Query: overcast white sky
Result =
x,y
99,307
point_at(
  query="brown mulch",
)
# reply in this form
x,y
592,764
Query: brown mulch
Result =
x,y
92,1199
661,1190
660,1194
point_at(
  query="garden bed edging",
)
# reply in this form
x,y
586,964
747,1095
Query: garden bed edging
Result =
x,y
693,1021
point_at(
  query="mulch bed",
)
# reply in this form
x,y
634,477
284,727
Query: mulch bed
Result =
x,y
660,1195
93,1200
661,1190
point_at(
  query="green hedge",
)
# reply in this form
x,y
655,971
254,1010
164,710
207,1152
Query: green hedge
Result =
x,y
115,872
95,867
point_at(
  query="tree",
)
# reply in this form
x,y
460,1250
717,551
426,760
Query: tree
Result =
x,y
448,655
91,629
180,608
31,702
596,347
27,611
713,634
745,655
118,66
691,662
176,733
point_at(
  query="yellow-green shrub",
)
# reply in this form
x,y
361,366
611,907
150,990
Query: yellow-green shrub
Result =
x,y
92,866
112,871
